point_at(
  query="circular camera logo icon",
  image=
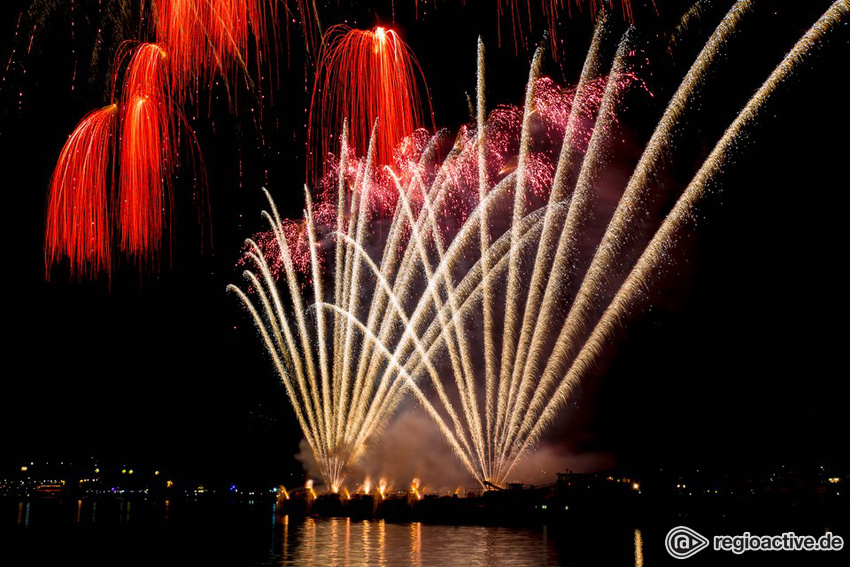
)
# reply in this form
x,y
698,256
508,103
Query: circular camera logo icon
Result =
x,y
683,542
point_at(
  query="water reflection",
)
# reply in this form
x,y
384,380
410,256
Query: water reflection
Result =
x,y
416,543
366,530
340,541
382,542
638,549
248,535
24,514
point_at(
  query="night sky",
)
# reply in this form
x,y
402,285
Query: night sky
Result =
x,y
740,361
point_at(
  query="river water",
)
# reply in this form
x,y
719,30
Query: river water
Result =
x,y
137,532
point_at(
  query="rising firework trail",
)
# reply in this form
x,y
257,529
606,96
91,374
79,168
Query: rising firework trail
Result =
x,y
543,391
338,369
633,203
471,294
657,254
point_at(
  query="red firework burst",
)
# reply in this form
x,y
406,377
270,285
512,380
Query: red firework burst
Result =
x,y
364,76
197,39
77,224
148,140
209,37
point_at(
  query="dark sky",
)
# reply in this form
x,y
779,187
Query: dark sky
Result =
x,y
740,360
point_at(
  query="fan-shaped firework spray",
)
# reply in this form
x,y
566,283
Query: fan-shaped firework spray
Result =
x,y
408,305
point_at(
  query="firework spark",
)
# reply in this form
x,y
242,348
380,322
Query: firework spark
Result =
x,y
147,156
364,76
552,14
197,40
209,38
77,225
487,318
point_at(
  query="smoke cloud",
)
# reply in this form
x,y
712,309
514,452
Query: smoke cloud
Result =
x,y
413,448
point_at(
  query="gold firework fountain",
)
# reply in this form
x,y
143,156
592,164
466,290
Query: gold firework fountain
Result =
x,y
489,318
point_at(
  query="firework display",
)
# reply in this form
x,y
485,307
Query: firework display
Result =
x,y
471,295
80,186
147,155
364,76
197,40
465,260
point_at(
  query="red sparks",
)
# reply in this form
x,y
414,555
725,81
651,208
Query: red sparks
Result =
x,y
142,193
551,12
364,76
147,153
77,217
209,37
197,40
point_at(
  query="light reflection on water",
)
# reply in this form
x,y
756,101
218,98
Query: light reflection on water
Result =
x,y
343,541
24,514
189,533
638,548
